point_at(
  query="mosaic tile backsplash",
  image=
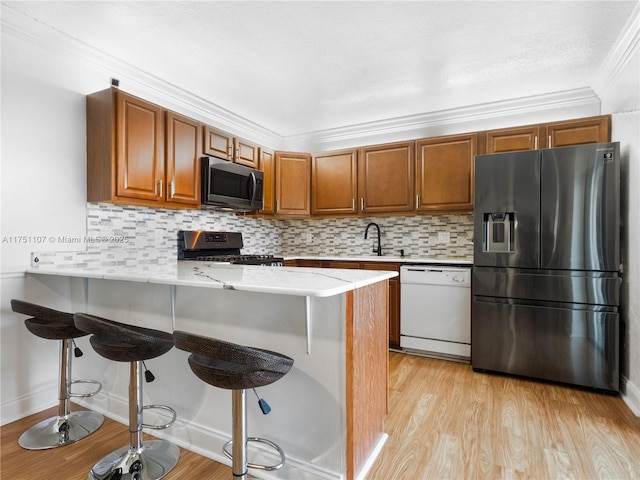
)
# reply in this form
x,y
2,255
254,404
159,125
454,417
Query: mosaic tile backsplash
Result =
x,y
127,235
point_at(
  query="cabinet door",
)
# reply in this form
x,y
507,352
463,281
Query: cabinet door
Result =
x,y
140,151
246,153
577,132
217,143
293,184
184,147
386,178
334,183
268,167
444,177
394,300
308,263
343,264
514,139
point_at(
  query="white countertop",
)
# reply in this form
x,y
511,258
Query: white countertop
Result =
x,y
314,282
385,258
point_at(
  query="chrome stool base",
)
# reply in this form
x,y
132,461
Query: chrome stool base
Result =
x,y
58,431
255,465
153,461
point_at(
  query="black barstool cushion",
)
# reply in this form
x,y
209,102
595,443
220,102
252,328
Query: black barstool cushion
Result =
x,y
229,365
47,322
121,342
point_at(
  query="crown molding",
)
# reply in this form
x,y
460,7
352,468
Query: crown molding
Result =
x,y
626,47
137,81
407,126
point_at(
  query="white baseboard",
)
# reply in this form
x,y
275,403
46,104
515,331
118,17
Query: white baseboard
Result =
x,y
630,393
206,441
15,409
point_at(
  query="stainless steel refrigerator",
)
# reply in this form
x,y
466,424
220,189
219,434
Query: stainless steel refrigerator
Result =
x,y
546,275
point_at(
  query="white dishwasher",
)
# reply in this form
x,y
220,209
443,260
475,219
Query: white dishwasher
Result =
x,y
435,311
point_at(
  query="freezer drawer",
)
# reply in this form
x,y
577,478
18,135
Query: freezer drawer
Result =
x,y
596,288
576,346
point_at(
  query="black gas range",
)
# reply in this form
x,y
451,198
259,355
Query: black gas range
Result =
x,y
221,247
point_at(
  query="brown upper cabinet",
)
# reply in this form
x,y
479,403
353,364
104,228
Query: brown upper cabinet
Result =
x,y
580,131
217,143
246,153
548,135
183,159
515,139
268,167
386,178
126,151
293,184
444,173
224,145
334,183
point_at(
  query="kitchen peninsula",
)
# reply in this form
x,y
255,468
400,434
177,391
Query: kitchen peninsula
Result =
x,y
327,413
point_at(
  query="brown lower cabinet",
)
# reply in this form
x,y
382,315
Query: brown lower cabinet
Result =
x,y
394,286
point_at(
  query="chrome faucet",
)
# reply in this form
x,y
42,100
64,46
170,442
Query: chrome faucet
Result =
x,y
366,232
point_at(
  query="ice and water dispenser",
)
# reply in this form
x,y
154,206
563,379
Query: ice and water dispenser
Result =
x,y
498,232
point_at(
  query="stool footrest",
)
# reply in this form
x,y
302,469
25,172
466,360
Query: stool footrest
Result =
x,y
254,465
160,407
86,395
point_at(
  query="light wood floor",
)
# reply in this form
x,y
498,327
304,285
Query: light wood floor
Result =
x,y
445,422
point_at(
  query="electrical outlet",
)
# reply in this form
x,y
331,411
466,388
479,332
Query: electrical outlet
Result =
x,y
444,237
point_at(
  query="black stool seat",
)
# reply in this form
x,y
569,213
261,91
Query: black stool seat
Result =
x,y
236,368
66,427
231,366
148,460
47,322
123,343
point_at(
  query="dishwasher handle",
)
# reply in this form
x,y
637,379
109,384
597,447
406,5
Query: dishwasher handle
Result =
x,y
436,275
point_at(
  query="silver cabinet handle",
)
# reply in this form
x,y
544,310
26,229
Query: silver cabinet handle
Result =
x,y
549,145
353,204
417,201
160,187
535,143
172,189
362,204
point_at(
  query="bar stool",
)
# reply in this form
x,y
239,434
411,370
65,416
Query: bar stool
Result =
x,y
149,460
66,427
237,368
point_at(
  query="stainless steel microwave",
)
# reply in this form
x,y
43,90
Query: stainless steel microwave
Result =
x,y
229,186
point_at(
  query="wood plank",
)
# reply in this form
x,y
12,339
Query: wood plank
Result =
x,y
74,461
446,421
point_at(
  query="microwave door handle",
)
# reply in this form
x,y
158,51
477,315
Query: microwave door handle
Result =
x,y
255,187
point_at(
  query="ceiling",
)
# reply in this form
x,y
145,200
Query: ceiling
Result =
x,y
297,67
